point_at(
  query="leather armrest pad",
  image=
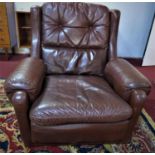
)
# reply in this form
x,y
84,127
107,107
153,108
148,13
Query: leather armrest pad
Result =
x,y
28,77
124,78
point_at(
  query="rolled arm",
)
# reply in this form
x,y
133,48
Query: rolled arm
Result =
x,y
27,77
137,100
21,105
125,78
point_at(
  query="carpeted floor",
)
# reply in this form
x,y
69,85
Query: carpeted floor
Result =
x,y
143,139
149,72
7,67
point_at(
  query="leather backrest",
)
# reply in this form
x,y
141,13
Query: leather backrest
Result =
x,y
75,38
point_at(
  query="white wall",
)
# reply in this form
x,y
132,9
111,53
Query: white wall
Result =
x,y
25,6
135,24
149,58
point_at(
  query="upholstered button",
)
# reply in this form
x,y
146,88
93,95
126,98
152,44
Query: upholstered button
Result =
x,y
60,26
91,27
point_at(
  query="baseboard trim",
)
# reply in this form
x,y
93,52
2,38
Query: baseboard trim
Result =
x,y
135,61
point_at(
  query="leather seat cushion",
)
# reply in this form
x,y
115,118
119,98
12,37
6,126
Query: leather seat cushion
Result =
x,y
70,99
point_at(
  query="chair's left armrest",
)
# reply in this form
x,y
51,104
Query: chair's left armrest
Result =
x,y
27,77
125,78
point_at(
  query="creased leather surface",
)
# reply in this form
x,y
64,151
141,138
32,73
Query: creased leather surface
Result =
x,y
74,61
28,77
79,26
78,99
124,78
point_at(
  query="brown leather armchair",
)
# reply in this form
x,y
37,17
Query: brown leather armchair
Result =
x,y
73,88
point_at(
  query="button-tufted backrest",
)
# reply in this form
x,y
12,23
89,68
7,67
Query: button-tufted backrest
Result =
x,y
75,38
75,25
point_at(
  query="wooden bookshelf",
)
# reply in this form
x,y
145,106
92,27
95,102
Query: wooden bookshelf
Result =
x,y
8,39
24,29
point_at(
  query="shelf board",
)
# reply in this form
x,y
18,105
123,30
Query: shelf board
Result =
x,y
25,46
25,27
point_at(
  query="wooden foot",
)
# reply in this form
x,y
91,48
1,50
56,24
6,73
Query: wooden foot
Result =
x,y
6,53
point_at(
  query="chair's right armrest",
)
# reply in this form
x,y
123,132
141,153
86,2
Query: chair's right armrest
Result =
x,y
27,77
125,78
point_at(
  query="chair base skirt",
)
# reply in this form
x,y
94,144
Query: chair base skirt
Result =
x,y
81,133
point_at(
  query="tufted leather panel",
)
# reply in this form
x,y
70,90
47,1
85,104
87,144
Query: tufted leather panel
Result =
x,y
77,26
78,99
74,61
